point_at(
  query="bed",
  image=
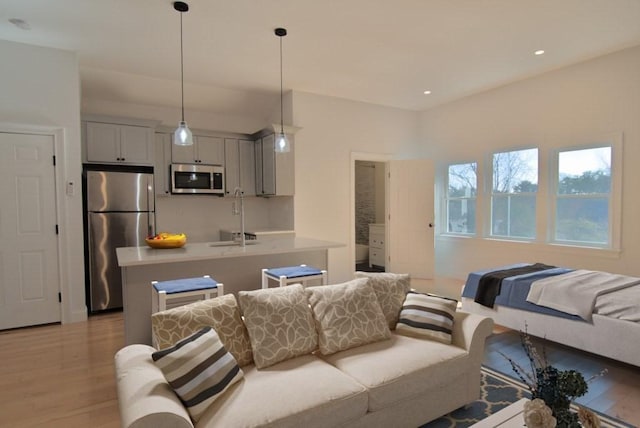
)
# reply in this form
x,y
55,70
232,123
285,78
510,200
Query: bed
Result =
x,y
604,319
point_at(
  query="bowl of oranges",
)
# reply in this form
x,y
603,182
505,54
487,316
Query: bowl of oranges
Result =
x,y
166,240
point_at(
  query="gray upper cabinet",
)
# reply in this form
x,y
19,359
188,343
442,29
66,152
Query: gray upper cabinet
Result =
x,y
205,150
162,160
275,173
239,166
117,143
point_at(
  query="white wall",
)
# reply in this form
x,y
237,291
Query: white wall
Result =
x,y
201,217
558,108
332,128
40,89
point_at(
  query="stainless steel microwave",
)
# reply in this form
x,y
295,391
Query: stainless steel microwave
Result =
x,y
206,179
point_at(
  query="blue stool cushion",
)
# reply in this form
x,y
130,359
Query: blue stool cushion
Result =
x,y
294,271
186,284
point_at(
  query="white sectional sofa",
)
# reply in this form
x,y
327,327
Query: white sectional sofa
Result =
x,y
397,380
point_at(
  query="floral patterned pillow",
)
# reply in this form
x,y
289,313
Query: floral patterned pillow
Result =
x,y
279,323
390,289
222,314
347,315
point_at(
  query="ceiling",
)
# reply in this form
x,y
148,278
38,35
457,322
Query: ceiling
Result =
x,y
375,51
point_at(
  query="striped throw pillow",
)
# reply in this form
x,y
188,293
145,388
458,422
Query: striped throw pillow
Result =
x,y
427,316
199,369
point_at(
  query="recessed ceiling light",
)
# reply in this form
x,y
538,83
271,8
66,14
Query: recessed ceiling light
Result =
x,y
427,92
539,52
20,23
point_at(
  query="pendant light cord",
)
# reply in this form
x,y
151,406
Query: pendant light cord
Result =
x,y
181,68
281,96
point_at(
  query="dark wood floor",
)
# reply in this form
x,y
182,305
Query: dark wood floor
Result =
x,y
617,393
364,267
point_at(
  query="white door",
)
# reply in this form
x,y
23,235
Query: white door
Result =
x,y
411,211
29,281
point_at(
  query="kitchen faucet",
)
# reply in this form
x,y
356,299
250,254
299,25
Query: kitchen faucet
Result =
x,y
238,194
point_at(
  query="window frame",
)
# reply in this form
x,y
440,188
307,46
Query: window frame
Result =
x,y
490,195
447,199
614,141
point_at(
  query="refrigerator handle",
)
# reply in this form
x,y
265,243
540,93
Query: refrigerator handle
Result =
x,y
151,204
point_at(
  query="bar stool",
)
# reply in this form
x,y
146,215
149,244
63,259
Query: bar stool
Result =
x,y
291,274
178,292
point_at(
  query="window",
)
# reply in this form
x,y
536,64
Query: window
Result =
x,y
583,197
462,186
513,194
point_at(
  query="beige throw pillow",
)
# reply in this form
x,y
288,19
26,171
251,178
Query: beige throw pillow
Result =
x,y
222,314
279,323
347,315
390,289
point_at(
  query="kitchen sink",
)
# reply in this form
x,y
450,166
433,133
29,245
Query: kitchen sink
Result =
x,y
231,243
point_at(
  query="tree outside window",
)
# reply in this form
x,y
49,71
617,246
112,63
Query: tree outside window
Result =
x,y
583,196
462,189
513,194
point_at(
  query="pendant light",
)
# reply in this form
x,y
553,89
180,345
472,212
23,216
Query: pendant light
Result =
x,y
182,136
282,143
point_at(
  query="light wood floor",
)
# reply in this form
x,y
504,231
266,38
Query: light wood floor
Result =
x,y
63,375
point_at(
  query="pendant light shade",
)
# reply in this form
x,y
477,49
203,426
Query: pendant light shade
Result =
x,y
282,143
182,136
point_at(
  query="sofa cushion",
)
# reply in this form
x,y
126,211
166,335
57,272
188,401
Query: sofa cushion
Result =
x,y
221,313
427,316
401,368
347,315
199,369
300,392
390,289
279,323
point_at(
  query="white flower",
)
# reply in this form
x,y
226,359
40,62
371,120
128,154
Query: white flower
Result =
x,y
538,415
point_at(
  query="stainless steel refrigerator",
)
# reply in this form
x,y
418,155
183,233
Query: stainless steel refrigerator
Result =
x,y
120,212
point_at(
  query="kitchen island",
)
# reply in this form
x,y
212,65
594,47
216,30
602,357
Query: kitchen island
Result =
x,y
238,268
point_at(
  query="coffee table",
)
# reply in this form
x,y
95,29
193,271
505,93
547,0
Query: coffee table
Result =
x,y
509,417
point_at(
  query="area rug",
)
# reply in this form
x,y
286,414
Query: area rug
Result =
x,y
497,391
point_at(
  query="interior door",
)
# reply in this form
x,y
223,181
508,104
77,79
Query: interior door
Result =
x,y
410,239
29,273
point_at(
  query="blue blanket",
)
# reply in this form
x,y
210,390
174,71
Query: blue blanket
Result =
x,y
514,290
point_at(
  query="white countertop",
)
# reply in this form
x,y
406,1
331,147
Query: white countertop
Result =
x,y
136,256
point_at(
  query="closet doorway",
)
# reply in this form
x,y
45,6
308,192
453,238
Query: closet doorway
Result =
x,y
369,215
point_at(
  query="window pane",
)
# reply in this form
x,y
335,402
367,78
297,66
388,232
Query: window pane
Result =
x,y
463,180
583,219
514,216
513,200
583,172
516,171
461,216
